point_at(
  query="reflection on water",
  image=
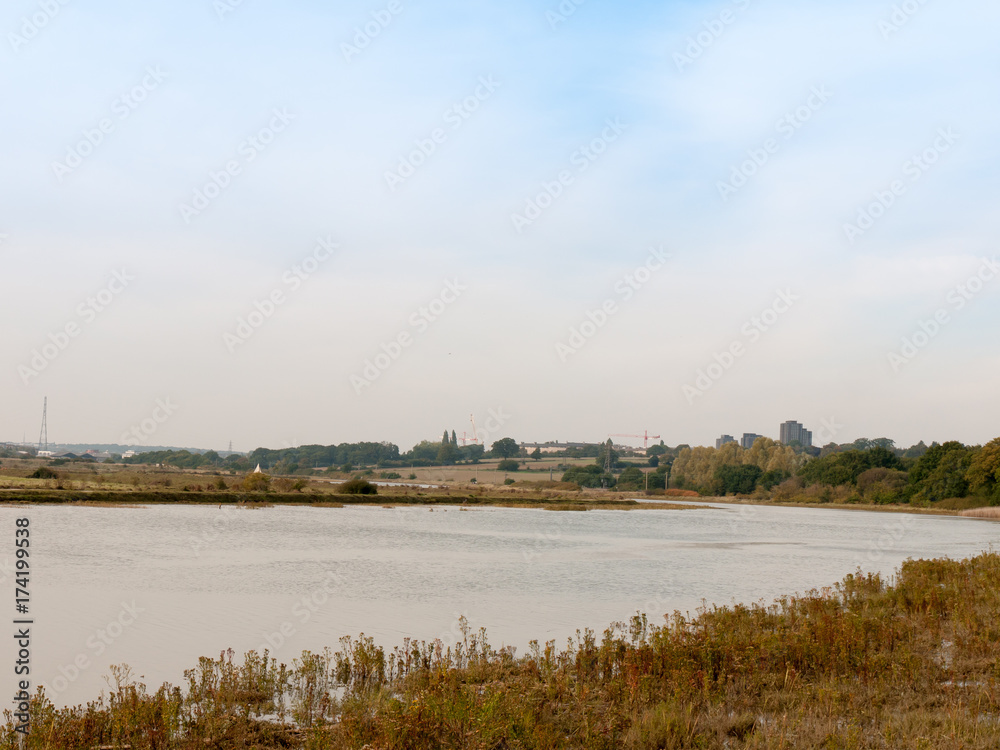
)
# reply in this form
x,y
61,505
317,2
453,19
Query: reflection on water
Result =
x,y
156,587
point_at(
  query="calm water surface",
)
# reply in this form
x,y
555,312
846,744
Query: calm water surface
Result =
x,y
157,587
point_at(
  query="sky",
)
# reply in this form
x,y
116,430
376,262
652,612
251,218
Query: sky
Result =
x,y
276,224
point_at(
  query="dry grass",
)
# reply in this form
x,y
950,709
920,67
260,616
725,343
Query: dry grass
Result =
x,y
992,512
864,664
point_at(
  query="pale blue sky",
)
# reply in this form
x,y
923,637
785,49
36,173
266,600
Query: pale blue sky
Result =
x,y
686,126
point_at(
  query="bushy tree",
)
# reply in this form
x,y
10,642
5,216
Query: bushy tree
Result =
x,y
447,454
588,476
941,472
983,473
508,464
632,478
257,482
357,486
846,467
506,448
737,480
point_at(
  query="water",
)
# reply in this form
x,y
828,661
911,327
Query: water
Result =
x,y
157,587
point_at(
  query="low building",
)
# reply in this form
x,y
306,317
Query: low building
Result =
x,y
554,447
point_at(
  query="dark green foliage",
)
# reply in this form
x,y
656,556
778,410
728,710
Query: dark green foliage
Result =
x,y
941,472
357,486
588,476
447,454
773,478
44,472
632,478
846,467
737,480
508,464
506,448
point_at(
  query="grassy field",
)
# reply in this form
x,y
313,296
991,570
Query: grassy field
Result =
x,y
906,664
110,484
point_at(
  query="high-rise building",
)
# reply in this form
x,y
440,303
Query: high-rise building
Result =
x,y
723,440
748,438
792,432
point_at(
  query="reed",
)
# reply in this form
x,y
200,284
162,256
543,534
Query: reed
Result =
x,y
867,663
990,512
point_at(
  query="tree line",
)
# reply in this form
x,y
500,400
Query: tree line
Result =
x,y
345,457
870,471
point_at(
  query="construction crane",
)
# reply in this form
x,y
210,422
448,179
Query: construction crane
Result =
x,y
646,437
475,438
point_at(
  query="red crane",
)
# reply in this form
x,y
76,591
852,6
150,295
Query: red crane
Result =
x,y
645,438
475,437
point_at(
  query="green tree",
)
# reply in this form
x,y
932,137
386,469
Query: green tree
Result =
x,y
508,464
941,472
454,439
257,482
444,438
447,454
983,473
357,486
506,448
588,476
425,450
915,451
657,450
473,453
537,454
737,480
632,478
